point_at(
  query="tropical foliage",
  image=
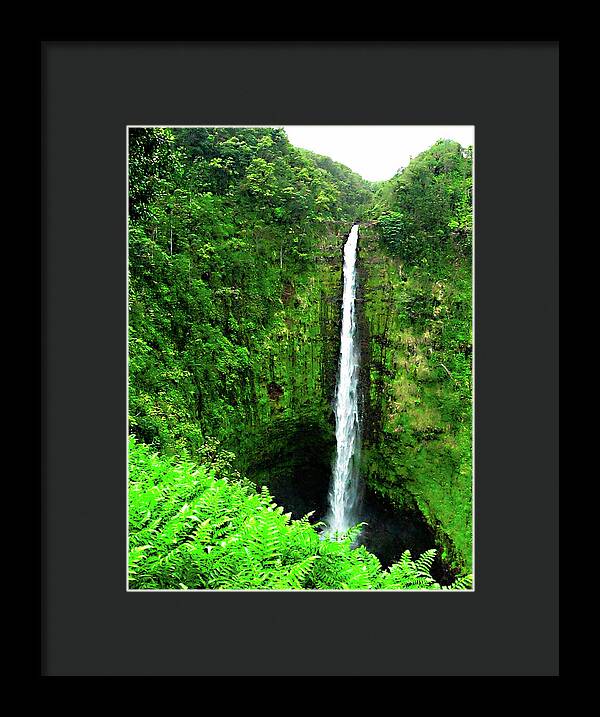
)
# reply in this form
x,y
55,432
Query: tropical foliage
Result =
x,y
221,221
192,530
427,208
419,309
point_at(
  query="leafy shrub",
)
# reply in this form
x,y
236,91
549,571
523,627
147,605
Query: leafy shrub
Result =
x,y
401,236
428,205
191,530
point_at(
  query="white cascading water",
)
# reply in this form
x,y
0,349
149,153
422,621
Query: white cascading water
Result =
x,y
344,493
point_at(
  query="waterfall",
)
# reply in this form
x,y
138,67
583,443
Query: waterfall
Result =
x,y
344,492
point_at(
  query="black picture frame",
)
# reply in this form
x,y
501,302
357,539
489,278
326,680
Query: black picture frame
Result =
x,y
90,92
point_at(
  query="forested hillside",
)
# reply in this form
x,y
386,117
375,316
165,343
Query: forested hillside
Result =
x,y
418,310
235,244
224,224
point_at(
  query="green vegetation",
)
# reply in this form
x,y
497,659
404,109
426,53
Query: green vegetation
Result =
x,y
226,226
235,243
192,530
355,195
427,208
418,306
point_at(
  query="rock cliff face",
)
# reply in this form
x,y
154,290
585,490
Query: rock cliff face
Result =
x,y
289,446
417,417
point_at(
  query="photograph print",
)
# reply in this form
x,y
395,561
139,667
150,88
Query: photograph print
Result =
x,y
300,358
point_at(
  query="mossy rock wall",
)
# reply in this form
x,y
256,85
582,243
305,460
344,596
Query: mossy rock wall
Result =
x,y
416,381
289,443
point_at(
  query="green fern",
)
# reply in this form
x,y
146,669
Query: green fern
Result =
x,y
189,529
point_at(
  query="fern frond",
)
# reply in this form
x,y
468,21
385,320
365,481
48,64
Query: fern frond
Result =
x,y
189,529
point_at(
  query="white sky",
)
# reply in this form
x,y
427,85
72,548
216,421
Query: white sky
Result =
x,y
376,152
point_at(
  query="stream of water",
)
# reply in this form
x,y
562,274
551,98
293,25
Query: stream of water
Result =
x,y
344,492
